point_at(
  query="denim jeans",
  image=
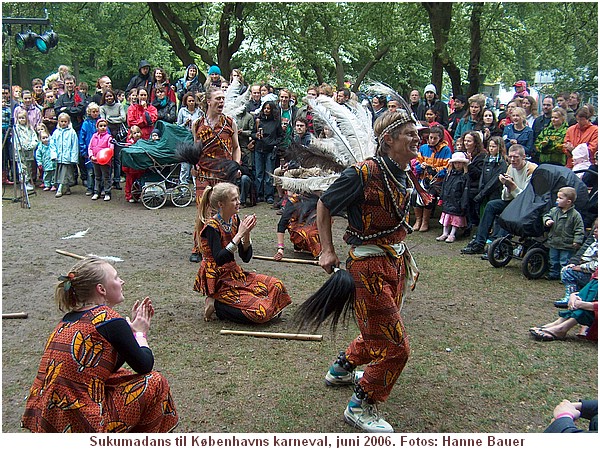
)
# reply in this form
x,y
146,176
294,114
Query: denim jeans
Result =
x,y
492,210
184,173
90,180
244,184
568,276
265,165
558,259
117,164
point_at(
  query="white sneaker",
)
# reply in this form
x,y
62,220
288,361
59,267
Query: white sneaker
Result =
x,y
107,198
345,379
29,187
95,197
366,417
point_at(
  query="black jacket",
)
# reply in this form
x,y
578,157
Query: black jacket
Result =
x,y
272,132
167,113
439,106
490,187
475,169
455,193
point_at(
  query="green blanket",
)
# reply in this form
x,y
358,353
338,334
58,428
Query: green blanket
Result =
x,y
144,154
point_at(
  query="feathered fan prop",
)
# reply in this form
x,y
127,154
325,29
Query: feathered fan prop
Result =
x,y
235,103
354,136
376,87
322,156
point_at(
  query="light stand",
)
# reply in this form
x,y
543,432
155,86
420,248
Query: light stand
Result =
x,y
51,41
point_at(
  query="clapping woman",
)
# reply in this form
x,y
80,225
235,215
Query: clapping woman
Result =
x,y
232,293
81,386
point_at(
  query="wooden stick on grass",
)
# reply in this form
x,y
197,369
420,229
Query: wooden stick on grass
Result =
x,y
312,262
19,315
72,255
295,337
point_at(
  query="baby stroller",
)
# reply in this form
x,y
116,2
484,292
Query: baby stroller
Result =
x,y
522,218
161,177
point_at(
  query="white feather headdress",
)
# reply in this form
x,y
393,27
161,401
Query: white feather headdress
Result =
x,y
235,103
350,140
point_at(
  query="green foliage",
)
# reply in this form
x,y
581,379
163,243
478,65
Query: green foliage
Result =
x,y
301,43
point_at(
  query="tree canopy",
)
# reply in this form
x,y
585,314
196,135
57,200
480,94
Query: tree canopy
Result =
x,y
407,45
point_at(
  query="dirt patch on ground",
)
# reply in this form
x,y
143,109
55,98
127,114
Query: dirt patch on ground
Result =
x,y
467,324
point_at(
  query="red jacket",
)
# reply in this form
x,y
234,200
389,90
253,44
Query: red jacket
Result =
x,y
136,115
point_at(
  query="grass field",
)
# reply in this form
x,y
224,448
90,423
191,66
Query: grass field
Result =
x,y
473,366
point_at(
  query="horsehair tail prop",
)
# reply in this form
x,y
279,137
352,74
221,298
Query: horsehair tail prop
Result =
x,y
334,299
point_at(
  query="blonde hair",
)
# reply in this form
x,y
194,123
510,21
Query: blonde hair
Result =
x,y
79,285
64,116
521,112
209,202
90,106
569,192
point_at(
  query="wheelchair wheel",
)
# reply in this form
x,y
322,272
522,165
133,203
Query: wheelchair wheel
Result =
x,y
181,195
535,263
500,252
154,196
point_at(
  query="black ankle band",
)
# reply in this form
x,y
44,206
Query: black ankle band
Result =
x,y
343,362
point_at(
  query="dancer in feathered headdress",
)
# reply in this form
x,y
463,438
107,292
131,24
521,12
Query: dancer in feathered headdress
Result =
x,y
374,194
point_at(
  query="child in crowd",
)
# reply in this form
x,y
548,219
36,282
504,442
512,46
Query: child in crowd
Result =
x,y
46,161
459,145
120,96
155,135
581,159
566,231
582,265
454,197
37,91
102,170
88,128
48,112
430,168
65,145
25,143
135,134
83,89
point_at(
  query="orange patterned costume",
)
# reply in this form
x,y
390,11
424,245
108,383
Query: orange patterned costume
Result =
x,y
258,297
78,388
304,234
382,275
217,143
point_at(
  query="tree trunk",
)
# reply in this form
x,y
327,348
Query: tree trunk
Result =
x,y
339,66
318,73
440,20
170,25
365,70
475,52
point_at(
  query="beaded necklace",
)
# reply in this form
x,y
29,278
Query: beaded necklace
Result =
x,y
226,225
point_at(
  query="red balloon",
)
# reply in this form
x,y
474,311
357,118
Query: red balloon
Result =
x,y
104,156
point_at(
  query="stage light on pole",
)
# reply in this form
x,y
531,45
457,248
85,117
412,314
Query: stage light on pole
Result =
x,y
25,40
46,41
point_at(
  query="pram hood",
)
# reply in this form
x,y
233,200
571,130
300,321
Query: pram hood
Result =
x,y
145,154
523,216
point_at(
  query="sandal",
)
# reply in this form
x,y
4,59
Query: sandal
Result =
x,y
545,335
